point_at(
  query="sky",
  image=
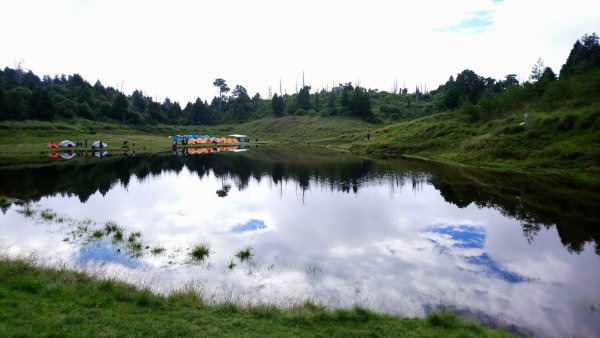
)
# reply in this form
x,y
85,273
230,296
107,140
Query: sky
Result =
x,y
177,48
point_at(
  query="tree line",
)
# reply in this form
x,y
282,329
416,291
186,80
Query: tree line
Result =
x,y
23,95
480,98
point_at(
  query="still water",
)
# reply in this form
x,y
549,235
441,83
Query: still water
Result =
x,y
401,237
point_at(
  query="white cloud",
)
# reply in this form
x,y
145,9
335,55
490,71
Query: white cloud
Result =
x,y
178,48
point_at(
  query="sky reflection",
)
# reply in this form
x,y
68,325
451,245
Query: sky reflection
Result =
x,y
394,245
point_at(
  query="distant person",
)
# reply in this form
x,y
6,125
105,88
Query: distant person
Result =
x,y
368,135
525,120
85,142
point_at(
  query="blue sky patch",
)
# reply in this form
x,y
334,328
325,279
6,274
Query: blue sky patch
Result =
x,y
491,268
251,225
103,252
476,22
465,236
473,237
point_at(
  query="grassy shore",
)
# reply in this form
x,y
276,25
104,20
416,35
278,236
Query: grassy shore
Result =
x,y
563,142
26,142
37,301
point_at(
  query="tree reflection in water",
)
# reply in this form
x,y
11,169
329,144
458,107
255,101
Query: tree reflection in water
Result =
x,y
536,201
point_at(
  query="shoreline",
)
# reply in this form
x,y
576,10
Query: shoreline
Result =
x,y
63,301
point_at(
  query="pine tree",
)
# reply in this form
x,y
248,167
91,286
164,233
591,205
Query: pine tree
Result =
x,y
303,98
119,107
278,105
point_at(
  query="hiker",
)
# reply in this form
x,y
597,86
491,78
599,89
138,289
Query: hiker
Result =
x,y
368,135
525,118
85,142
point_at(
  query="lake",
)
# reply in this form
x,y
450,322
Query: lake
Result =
x,y
285,225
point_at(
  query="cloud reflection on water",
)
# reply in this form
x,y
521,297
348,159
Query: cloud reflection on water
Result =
x,y
368,241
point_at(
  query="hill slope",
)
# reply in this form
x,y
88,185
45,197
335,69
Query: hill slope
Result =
x,y
565,141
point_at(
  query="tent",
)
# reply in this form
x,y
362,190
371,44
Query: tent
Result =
x,y
101,154
52,145
66,144
99,144
67,156
240,138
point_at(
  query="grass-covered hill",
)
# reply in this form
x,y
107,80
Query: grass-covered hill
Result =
x,y
564,140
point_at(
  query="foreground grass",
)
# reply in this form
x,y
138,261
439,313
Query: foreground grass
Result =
x,y
37,301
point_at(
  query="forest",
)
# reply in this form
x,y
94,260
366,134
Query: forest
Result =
x,y
24,95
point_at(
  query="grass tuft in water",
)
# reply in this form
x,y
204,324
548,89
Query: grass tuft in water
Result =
x,y
244,254
231,265
118,236
27,211
134,236
157,250
136,247
200,252
47,214
97,235
110,227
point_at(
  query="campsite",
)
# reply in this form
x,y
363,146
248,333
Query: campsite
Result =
x,y
432,172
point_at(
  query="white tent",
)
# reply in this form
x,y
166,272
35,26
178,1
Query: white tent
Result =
x,y
67,156
99,144
66,143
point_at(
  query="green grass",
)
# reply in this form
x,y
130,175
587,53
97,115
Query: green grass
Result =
x,y
200,252
563,140
47,214
27,210
36,301
244,254
157,250
110,227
